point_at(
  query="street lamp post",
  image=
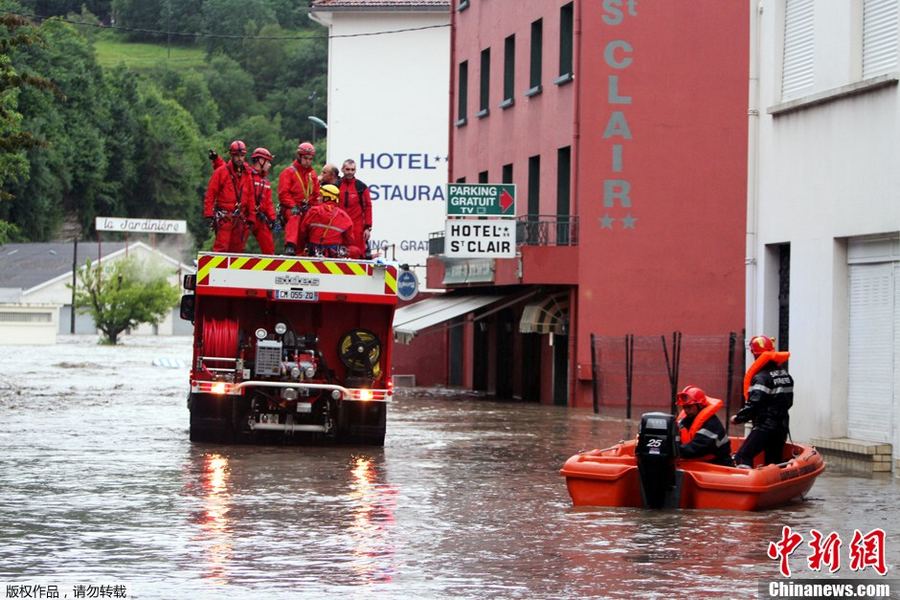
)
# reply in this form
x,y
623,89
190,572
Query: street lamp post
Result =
x,y
317,122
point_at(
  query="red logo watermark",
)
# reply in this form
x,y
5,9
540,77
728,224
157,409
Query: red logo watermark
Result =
x,y
864,550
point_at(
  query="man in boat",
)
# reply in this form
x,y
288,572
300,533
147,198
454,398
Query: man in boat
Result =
x,y
702,433
768,394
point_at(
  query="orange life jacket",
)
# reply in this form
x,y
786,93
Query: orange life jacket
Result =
x,y
761,361
712,407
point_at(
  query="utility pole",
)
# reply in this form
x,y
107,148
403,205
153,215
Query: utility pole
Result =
x,y
74,282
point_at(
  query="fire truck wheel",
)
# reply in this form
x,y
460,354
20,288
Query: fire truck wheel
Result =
x,y
363,423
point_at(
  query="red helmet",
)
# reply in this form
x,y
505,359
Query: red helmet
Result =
x,y
262,153
306,149
760,344
237,147
691,394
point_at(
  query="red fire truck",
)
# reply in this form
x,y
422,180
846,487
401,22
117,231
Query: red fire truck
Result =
x,y
290,348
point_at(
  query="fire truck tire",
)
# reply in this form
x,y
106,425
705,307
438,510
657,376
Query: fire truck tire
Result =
x,y
363,423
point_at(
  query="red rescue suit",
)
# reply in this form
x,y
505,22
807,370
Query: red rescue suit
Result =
x,y
260,212
227,200
326,230
298,190
355,199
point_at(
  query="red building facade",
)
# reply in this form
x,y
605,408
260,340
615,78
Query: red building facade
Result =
x,y
623,126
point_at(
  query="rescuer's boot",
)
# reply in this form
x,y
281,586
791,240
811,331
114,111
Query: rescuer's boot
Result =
x,y
290,250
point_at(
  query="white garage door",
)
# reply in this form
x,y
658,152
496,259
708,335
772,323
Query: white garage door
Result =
x,y
874,333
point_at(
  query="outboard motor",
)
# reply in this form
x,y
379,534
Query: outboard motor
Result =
x,y
656,451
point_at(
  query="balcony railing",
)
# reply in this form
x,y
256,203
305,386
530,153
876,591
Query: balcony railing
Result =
x,y
531,230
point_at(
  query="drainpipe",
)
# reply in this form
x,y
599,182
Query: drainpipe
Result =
x,y
451,114
573,204
752,270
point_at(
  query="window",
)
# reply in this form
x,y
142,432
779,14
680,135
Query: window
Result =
x,y
534,187
509,71
483,108
563,219
565,44
463,85
879,39
530,229
460,180
507,174
483,177
799,48
462,5
537,41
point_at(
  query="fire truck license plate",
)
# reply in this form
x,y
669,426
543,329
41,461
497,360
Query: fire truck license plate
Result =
x,y
301,295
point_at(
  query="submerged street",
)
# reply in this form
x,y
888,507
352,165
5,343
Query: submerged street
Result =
x,y
99,484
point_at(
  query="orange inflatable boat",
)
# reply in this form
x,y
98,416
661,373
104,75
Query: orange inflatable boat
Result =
x,y
647,473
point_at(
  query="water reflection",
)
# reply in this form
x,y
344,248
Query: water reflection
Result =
x,y
374,504
215,528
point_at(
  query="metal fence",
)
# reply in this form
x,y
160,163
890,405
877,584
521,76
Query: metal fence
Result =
x,y
634,374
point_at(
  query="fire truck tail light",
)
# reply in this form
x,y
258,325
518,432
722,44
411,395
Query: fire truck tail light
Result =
x,y
218,387
365,395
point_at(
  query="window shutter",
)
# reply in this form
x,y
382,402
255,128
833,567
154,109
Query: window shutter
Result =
x,y
879,52
799,46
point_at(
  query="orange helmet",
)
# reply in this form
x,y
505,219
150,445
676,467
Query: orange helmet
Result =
x,y
237,147
760,343
262,153
691,394
306,149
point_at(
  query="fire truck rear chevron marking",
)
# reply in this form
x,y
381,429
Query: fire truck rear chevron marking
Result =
x,y
308,266
207,263
262,265
390,280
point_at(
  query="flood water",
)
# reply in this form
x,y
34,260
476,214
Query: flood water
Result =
x,y
99,484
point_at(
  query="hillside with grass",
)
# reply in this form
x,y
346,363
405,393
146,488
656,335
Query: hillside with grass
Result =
x,y
123,99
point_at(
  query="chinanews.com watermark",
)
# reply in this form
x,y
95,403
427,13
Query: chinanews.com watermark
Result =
x,y
832,588
865,553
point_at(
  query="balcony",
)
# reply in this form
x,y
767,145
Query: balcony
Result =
x,y
547,254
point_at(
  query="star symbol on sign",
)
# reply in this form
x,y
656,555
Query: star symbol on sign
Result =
x,y
437,158
606,222
628,221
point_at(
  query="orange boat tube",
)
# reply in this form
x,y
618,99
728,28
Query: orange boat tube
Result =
x,y
611,477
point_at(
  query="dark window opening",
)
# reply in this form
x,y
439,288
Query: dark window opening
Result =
x,y
507,176
509,70
483,177
537,42
485,97
563,190
784,295
565,39
462,100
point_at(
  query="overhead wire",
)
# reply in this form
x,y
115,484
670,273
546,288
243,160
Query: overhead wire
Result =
x,y
225,35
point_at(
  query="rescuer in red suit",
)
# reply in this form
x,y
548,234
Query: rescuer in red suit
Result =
x,y
355,199
326,230
227,200
298,189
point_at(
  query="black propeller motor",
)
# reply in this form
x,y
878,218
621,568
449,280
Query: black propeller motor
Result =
x,y
656,451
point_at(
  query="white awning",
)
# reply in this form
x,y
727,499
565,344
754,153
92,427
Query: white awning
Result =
x,y
411,319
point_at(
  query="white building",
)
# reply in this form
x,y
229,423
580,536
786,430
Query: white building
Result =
x,y
40,274
388,98
823,265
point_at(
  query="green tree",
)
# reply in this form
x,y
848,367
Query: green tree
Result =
x,y
190,90
125,293
66,174
232,88
234,18
171,159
